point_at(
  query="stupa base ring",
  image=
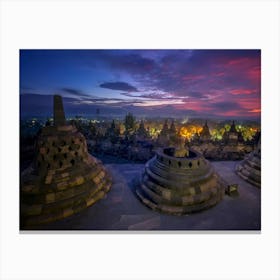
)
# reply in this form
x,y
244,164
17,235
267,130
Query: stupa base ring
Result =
x,y
179,185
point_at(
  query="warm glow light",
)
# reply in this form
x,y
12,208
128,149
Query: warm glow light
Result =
x,y
189,131
158,102
255,111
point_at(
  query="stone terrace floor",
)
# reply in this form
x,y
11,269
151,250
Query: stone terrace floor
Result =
x,y
121,209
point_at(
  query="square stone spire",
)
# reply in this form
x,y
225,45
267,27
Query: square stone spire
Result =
x,y
58,111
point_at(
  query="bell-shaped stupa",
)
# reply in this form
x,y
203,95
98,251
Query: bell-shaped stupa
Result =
x,y
64,178
250,168
179,181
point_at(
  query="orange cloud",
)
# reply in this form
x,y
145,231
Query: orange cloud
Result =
x,y
242,91
255,111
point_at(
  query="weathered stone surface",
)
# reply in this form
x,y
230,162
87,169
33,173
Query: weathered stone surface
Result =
x,y
232,190
64,178
59,116
179,185
250,168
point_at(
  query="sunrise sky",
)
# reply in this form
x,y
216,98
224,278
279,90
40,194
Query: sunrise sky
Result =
x,y
214,83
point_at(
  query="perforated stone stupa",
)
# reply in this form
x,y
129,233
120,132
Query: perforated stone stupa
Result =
x,y
64,178
179,182
250,168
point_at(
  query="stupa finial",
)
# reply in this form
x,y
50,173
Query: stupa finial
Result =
x,y
58,111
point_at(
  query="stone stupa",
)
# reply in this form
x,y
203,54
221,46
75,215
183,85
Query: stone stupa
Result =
x,y
63,178
179,181
250,168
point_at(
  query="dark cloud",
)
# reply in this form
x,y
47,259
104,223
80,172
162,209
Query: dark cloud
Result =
x,y
186,93
119,86
93,99
204,58
155,95
132,61
180,72
152,96
144,95
205,81
26,88
27,92
129,61
129,94
73,91
37,105
225,106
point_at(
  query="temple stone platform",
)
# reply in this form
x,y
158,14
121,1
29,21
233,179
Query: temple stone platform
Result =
x,y
179,181
123,211
250,168
64,178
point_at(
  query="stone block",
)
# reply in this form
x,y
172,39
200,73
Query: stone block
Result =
x,y
192,191
96,180
33,210
232,190
50,197
166,194
28,188
68,212
62,185
48,179
187,200
80,180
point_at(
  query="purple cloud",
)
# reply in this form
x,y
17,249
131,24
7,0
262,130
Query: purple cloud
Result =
x,y
119,86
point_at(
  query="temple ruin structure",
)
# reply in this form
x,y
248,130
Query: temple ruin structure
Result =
x,y
250,168
179,181
205,135
64,178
